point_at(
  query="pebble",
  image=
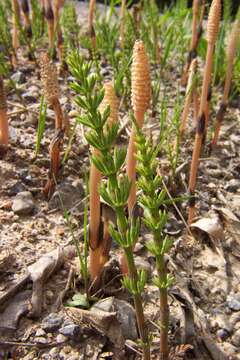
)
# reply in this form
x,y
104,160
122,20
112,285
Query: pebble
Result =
x,y
49,295
233,185
236,339
222,334
69,195
18,77
23,203
142,264
229,348
40,332
67,349
61,339
16,188
235,319
52,322
71,331
54,353
41,340
124,312
73,114
233,302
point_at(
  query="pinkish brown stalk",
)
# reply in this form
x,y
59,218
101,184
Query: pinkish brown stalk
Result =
x,y
231,54
3,119
99,241
141,96
212,32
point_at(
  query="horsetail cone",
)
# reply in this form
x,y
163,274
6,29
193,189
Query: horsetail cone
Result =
x,y
110,99
49,77
48,71
141,82
98,256
140,97
3,115
213,21
212,32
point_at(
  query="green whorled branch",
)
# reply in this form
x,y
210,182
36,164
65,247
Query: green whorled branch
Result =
x,y
154,202
115,192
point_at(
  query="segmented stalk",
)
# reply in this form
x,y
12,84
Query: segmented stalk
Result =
x,y
90,24
189,97
3,118
212,31
16,19
99,240
26,16
230,53
122,23
49,15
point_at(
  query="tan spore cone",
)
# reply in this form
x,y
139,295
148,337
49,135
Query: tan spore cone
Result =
x,y
213,21
49,77
51,90
140,97
141,82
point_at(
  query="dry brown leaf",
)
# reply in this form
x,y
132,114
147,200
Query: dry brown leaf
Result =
x,y
210,226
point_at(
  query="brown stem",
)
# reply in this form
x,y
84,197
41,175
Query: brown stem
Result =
x,y
207,113
3,127
94,224
219,120
3,116
200,128
55,148
196,102
90,24
59,118
164,316
194,42
16,19
122,23
189,97
138,307
50,21
42,6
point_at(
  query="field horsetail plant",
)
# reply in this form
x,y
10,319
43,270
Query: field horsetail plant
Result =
x,y
212,32
51,92
3,120
115,192
233,42
141,96
152,200
99,240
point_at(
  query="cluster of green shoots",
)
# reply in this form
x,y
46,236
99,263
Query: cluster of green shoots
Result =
x,y
113,169
115,192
